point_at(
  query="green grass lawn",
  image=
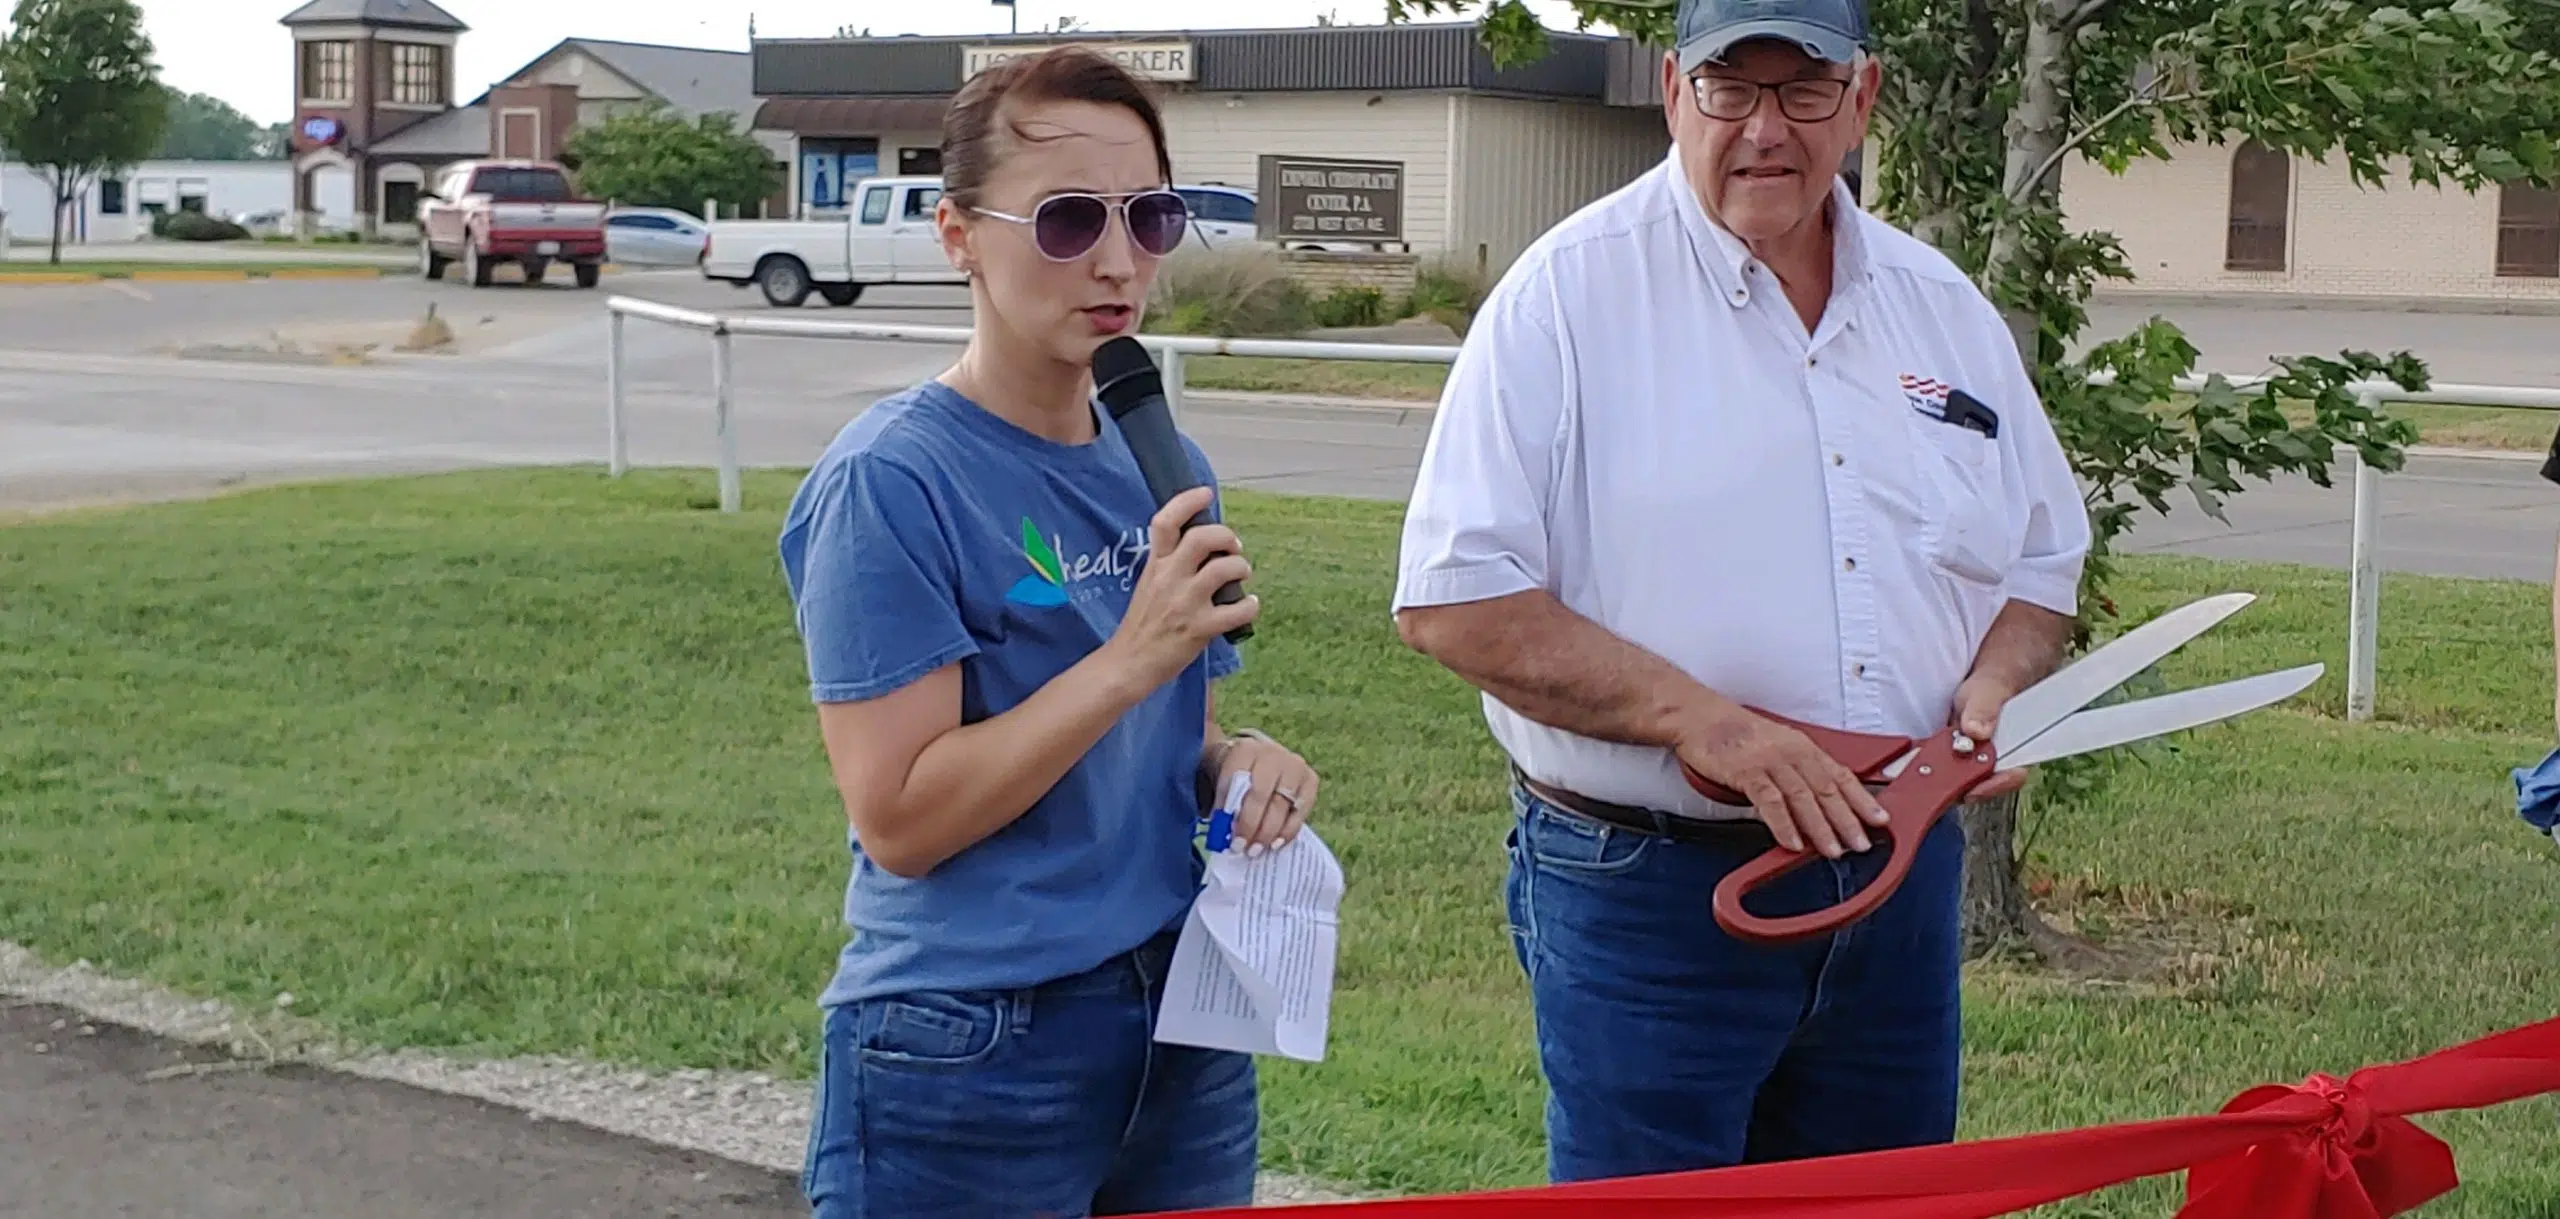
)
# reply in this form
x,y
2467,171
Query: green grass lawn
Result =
x,y
522,763
1320,378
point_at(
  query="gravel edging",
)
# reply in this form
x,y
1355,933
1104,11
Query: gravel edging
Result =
x,y
748,1118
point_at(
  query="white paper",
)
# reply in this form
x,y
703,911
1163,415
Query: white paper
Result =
x,y
1253,969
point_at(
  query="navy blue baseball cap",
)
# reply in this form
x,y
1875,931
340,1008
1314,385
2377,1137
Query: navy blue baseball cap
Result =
x,y
1826,29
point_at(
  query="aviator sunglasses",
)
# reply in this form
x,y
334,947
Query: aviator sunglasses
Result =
x,y
1067,227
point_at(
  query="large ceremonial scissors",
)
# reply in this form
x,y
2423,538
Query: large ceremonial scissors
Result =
x,y
1920,779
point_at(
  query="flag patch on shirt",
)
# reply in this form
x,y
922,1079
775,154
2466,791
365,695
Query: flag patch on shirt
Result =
x,y
1928,395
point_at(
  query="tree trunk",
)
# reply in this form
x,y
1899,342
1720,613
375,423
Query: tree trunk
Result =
x,y
2038,125
1995,902
61,206
1996,913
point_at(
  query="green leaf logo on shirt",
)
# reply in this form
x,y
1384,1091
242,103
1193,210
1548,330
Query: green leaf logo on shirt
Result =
x,y
1048,586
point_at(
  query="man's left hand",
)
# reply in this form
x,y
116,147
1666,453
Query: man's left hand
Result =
x,y
1977,714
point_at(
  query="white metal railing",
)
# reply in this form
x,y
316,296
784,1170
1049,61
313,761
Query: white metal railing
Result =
x,y
2364,578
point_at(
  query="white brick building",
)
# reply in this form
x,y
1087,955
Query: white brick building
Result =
x,y
2243,220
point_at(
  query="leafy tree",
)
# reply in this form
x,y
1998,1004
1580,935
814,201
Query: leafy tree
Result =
x,y
79,93
203,127
652,157
1984,102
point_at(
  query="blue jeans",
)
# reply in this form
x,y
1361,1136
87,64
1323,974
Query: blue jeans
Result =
x,y
1670,1046
1049,1101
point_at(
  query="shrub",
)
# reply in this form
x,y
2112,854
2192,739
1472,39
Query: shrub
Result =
x,y
1229,293
1448,292
1352,307
195,226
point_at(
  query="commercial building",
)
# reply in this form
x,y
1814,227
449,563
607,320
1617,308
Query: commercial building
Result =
x,y
375,110
121,206
1403,139
2247,221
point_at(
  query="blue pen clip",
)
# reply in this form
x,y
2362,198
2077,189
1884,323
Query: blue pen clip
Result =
x,y
1222,821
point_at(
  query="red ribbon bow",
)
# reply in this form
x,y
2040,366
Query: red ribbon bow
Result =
x,y
2324,1149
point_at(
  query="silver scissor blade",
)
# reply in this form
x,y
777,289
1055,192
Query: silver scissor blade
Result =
x,y
2050,701
2124,723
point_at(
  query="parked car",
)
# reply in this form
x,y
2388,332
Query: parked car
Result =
x,y
1229,217
1221,216
886,237
655,237
484,213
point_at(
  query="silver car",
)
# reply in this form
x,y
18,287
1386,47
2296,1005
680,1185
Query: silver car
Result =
x,y
654,237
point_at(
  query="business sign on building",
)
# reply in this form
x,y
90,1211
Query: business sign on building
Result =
x,y
1168,61
1321,198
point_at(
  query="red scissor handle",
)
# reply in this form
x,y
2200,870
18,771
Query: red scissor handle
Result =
x,y
1935,780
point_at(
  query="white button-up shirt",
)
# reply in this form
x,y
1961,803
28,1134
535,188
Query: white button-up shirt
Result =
x,y
1640,425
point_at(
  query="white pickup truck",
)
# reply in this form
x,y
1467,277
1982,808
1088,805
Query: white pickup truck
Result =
x,y
886,237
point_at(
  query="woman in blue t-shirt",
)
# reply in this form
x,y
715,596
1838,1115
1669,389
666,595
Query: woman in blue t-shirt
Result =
x,y
1011,649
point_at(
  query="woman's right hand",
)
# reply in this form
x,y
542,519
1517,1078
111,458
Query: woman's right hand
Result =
x,y
1170,616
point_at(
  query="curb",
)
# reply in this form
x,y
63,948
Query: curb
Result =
x,y
206,275
191,275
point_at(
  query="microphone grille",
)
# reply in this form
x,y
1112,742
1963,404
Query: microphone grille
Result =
x,y
1123,373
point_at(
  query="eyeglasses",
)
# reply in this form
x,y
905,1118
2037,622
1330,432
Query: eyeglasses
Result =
x,y
1733,100
1067,227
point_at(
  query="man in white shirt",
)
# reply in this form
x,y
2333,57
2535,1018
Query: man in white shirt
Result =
x,y
1723,441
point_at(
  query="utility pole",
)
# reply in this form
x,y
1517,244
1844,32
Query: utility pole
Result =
x,y
1014,8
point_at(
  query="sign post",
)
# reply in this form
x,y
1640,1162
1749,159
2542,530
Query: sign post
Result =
x,y
1328,199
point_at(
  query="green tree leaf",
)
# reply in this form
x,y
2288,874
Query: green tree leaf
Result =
x,y
652,157
203,127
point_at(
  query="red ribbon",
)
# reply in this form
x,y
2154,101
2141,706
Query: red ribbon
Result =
x,y
2327,1148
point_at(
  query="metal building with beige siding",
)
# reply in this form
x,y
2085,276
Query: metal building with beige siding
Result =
x,y
1490,157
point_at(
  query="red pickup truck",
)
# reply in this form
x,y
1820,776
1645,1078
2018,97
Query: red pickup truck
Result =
x,y
482,213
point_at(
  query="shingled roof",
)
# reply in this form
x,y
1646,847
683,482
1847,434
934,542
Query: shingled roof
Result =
x,y
691,80
394,14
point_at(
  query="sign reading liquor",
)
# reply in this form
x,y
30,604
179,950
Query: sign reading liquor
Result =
x,y
1320,198
1174,61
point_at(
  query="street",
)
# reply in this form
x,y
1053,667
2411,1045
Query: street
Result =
x,y
116,391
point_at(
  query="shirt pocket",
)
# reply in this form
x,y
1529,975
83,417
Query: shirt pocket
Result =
x,y
1953,493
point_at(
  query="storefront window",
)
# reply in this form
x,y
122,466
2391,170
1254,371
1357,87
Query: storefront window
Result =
x,y
829,169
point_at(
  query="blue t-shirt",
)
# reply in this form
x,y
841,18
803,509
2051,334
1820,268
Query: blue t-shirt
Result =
x,y
931,532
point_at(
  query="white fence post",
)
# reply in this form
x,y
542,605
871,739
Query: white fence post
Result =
x,y
1171,362
2364,583
723,391
617,446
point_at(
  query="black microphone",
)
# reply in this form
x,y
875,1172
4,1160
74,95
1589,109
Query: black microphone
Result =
x,y
1125,377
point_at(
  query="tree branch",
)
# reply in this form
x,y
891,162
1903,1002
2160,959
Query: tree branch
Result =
x,y
2076,139
2081,14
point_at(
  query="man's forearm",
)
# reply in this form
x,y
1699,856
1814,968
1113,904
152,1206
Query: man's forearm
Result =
x,y
2025,644
1559,668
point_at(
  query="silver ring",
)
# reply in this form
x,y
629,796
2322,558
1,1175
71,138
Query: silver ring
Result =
x,y
1288,795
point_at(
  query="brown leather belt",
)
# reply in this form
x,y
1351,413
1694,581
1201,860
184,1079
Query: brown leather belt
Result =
x,y
1749,832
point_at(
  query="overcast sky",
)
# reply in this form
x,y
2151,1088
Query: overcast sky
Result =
x,y
234,50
